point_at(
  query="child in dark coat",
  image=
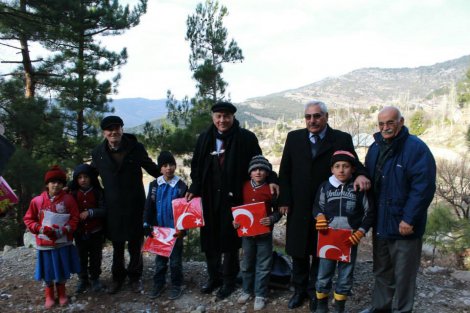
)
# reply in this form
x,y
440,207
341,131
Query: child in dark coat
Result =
x,y
89,237
159,212
53,217
338,206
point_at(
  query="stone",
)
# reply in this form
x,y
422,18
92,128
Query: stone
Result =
x,y
461,275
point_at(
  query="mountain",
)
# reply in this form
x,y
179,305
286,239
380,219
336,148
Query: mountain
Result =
x,y
136,111
421,86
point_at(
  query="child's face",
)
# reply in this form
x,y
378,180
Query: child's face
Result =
x,y
258,175
342,170
84,181
54,187
168,170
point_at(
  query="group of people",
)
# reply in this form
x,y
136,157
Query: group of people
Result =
x,y
321,185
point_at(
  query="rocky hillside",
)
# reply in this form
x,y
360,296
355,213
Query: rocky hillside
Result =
x,y
423,86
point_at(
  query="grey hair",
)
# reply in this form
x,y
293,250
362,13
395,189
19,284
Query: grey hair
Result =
x,y
392,108
322,105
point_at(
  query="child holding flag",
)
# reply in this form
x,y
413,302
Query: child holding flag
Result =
x,y
257,250
159,212
338,206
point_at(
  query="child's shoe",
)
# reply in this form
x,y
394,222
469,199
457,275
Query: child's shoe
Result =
x,y
244,298
175,292
82,286
63,299
96,285
322,303
49,294
260,303
339,306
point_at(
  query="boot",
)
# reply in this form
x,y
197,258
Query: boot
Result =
x,y
340,302
63,299
49,294
322,302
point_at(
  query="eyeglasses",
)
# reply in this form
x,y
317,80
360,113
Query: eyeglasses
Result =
x,y
315,116
388,123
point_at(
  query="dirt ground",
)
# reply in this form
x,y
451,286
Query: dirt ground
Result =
x,y
438,291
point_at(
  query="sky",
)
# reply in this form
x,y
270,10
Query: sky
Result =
x,y
289,44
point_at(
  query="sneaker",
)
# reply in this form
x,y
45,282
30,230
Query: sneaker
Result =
x,y
82,286
244,298
260,303
96,285
157,291
136,286
175,292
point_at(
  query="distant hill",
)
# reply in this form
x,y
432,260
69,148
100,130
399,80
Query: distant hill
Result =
x,y
421,86
136,111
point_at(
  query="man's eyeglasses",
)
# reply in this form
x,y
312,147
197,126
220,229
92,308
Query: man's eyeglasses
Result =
x,y
388,123
316,116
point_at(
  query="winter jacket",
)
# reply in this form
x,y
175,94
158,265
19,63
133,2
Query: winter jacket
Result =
x,y
91,200
63,203
337,201
158,207
262,193
407,184
124,190
300,175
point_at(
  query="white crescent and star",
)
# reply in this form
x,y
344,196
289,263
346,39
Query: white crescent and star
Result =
x,y
238,212
166,240
324,250
179,222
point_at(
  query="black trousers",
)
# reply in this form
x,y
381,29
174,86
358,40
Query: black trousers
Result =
x,y
223,266
90,251
304,274
136,265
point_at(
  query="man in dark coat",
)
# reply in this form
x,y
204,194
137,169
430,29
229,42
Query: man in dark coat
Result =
x,y
305,164
218,170
119,160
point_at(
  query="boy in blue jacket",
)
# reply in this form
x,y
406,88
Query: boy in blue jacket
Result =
x,y
159,212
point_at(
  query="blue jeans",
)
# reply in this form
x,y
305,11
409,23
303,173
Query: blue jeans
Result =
x,y
256,263
176,266
326,271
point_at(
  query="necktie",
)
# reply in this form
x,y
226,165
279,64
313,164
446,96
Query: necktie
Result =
x,y
315,144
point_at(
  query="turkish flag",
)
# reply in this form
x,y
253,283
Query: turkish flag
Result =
x,y
332,245
248,216
187,214
162,242
6,193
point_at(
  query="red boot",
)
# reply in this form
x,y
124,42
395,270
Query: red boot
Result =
x,y
63,299
49,293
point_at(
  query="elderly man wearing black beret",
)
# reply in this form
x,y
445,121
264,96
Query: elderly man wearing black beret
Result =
x,y
119,160
218,169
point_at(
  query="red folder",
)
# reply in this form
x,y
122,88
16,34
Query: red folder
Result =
x,y
162,242
333,245
187,214
248,216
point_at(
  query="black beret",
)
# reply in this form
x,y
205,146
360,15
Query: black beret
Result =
x,y
111,120
223,106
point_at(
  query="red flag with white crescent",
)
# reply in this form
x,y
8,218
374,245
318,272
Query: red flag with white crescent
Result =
x,y
248,216
332,245
6,193
162,242
187,214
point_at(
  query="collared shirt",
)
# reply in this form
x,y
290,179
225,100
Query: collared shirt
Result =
x,y
322,135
